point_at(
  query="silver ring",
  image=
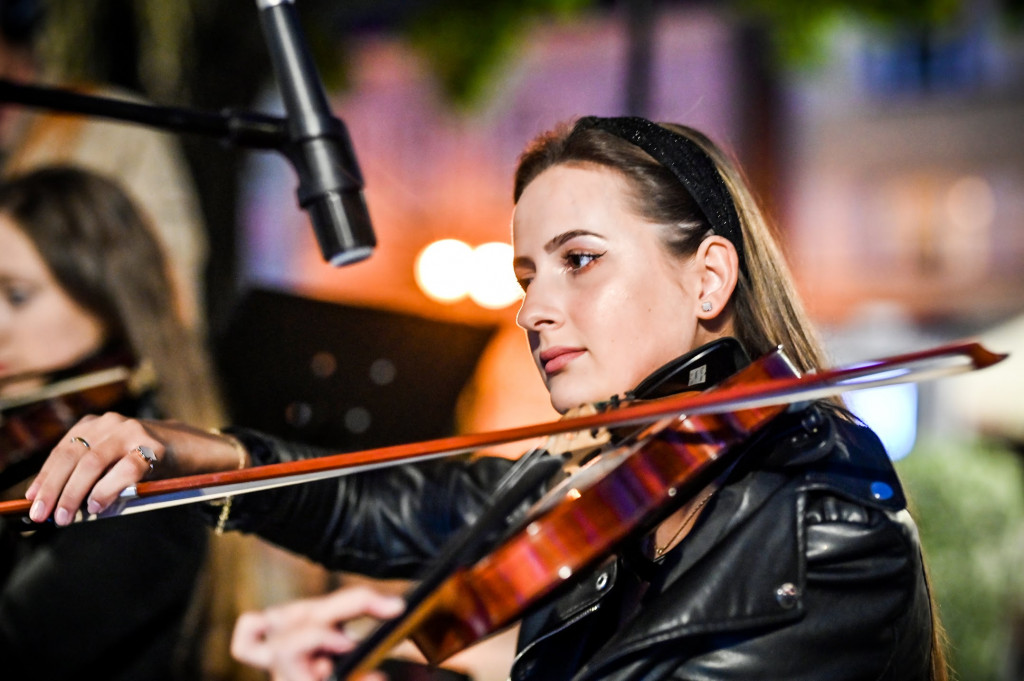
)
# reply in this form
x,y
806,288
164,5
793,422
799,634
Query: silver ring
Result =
x,y
146,454
82,440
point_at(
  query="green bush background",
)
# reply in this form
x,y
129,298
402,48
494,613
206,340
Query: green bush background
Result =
x,y
968,500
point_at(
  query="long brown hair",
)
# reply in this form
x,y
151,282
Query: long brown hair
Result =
x,y
103,254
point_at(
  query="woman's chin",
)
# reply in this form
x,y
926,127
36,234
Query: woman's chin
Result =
x,y
562,405
565,400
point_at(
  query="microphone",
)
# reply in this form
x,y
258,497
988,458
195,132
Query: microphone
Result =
x,y
330,186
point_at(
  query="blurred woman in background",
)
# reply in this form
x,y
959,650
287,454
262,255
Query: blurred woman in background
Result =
x,y
85,287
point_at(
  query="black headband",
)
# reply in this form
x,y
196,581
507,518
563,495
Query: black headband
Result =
x,y
688,162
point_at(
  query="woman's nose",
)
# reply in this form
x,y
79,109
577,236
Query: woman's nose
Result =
x,y
538,309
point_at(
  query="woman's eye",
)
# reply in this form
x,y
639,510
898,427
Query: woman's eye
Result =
x,y
579,260
16,296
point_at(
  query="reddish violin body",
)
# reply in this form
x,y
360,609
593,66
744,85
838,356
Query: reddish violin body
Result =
x,y
32,424
584,519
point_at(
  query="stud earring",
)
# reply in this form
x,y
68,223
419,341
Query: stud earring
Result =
x,y
706,306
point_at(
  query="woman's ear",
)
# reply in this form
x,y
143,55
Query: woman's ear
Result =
x,y
718,267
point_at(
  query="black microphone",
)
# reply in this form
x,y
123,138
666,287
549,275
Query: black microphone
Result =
x,y
330,185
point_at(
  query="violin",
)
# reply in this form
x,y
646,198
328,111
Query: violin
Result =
x,y
618,494
581,521
33,423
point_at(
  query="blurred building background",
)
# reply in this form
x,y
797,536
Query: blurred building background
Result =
x,y
887,139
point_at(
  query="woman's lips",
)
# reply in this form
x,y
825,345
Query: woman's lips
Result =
x,y
556,359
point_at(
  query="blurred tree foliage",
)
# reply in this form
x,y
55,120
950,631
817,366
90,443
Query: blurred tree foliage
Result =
x,y
799,28
464,40
155,46
968,500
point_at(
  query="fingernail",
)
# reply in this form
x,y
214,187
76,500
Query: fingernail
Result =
x,y
93,506
61,516
36,512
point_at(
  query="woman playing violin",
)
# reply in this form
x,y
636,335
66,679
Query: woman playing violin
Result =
x,y
84,284
639,248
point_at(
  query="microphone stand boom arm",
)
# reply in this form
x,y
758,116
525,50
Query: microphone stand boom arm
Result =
x,y
240,129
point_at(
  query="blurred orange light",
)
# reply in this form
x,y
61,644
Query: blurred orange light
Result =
x,y
441,270
449,270
492,282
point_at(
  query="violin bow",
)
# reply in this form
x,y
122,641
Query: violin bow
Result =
x,y
65,386
905,368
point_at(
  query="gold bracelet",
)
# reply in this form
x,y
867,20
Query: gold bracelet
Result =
x,y
243,455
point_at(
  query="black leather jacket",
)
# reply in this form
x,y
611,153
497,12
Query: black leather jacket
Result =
x,y
113,599
804,565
